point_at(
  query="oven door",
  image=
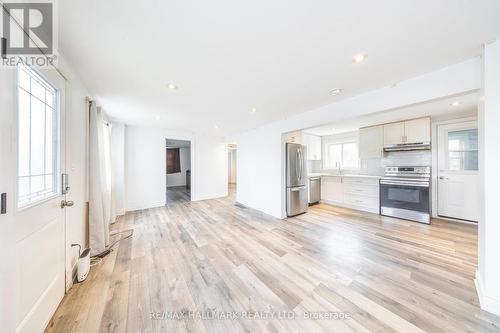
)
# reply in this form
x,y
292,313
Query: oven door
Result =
x,y
407,200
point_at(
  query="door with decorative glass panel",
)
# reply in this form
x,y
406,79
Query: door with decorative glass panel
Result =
x,y
458,174
39,228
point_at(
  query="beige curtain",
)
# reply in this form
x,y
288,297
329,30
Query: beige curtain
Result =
x,y
101,211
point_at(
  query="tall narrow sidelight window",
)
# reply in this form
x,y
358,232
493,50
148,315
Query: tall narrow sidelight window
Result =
x,y
38,138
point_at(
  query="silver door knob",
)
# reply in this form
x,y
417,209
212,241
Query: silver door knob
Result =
x,y
67,203
444,178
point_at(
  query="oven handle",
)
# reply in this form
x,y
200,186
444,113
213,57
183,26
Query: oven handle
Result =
x,y
419,184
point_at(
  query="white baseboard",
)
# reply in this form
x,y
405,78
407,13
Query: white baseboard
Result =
x,y
135,207
210,196
486,302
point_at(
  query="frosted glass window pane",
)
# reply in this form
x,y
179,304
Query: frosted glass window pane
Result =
x,y
463,140
24,133
37,137
37,90
24,80
463,160
463,150
24,186
49,141
37,184
49,99
49,181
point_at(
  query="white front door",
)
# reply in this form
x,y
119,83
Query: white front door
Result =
x,y
458,178
34,105
7,170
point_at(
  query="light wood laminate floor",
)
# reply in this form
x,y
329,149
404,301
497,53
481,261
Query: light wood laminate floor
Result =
x,y
384,274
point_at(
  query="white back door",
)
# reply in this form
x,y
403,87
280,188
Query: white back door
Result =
x,y
458,178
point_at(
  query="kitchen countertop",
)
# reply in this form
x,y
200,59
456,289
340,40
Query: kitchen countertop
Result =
x,y
342,175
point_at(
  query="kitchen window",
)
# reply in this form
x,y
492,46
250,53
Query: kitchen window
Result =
x,y
342,155
38,138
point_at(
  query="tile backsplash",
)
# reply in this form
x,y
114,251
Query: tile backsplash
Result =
x,y
397,158
377,166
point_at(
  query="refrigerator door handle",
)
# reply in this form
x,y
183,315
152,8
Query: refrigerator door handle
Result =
x,y
297,167
301,164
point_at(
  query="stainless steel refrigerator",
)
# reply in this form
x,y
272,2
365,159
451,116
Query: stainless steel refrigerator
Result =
x,y
296,179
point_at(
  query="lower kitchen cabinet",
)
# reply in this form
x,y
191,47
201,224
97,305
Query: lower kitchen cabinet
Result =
x,y
361,193
332,189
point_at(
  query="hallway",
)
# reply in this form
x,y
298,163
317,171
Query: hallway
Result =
x,y
178,194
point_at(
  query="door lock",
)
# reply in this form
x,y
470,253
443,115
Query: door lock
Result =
x,y
3,203
67,203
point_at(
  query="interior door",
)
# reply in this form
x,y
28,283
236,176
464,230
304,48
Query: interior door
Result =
x,y
458,178
36,109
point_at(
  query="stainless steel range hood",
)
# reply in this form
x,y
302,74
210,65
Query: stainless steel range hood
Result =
x,y
408,146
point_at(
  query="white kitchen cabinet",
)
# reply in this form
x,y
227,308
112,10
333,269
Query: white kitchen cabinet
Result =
x,y
332,189
394,133
313,143
410,131
356,192
361,193
371,142
418,130
293,137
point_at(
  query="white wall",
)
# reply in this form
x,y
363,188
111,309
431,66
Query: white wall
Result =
x,y
118,166
76,160
208,168
145,165
77,216
179,179
261,151
488,274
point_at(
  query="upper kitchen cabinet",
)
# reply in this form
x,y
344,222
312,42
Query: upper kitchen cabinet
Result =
x,y
294,137
394,133
371,142
313,143
418,130
408,132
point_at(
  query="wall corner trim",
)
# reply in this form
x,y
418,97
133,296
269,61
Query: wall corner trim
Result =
x,y
486,302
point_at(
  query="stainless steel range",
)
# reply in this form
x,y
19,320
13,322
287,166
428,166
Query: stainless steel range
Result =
x,y
405,192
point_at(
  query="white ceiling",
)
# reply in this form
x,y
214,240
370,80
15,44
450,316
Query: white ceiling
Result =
x,y
282,57
440,109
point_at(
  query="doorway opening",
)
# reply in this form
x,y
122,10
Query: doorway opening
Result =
x,y
231,168
178,171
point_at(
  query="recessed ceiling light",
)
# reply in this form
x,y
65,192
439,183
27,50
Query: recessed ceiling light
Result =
x,y
172,86
216,126
359,58
336,91
253,110
456,103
